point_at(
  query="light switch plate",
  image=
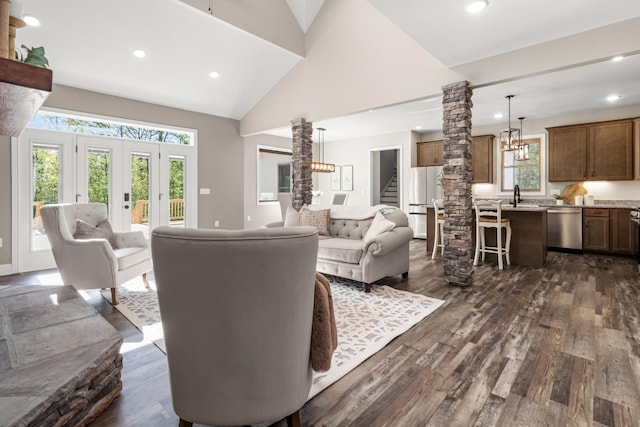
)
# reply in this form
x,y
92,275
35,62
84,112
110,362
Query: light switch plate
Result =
x,y
205,191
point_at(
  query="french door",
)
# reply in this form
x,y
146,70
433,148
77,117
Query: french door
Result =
x,y
143,184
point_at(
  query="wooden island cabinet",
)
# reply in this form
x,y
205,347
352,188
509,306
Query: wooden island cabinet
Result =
x,y
528,238
592,151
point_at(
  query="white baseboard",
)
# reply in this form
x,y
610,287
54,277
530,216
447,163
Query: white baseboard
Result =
x,y
6,269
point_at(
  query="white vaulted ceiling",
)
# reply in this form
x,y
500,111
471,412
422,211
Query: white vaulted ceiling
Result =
x,y
255,44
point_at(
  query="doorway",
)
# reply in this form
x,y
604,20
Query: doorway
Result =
x,y
386,176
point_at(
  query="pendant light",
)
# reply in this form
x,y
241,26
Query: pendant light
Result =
x,y
509,138
522,151
321,166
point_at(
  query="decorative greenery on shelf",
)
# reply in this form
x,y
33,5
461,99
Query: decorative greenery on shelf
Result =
x,y
34,56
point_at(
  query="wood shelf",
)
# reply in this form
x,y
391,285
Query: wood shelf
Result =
x,y
23,90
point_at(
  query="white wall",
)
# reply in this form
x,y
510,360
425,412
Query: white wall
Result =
x,y
602,190
356,152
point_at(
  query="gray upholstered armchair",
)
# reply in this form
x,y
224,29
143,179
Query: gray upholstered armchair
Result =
x,y
236,311
94,262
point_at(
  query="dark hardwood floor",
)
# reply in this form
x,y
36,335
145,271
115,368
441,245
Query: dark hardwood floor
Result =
x,y
551,346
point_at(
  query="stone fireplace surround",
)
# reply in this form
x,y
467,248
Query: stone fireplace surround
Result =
x,y
60,361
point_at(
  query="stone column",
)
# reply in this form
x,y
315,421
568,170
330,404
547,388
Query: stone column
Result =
x,y
456,126
301,162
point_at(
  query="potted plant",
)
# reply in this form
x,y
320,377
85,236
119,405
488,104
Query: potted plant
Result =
x,y
559,199
34,56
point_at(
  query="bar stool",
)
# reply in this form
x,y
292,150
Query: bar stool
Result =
x,y
489,215
438,211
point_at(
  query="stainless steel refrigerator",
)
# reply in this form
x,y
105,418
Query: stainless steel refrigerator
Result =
x,y
423,187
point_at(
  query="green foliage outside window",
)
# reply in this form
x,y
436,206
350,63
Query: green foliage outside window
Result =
x,y
525,173
46,167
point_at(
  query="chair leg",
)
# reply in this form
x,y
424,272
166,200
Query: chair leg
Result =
x,y
144,280
477,255
435,242
405,274
442,239
483,243
367,288
184,423
508,246
114,296
293,420
500,252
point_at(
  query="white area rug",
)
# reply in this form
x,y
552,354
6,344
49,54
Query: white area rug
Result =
x,y
365,322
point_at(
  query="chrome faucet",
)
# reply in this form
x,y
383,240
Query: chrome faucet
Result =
x,y
516,195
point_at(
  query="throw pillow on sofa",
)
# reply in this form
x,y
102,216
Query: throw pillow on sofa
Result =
x,y
291,217
318,219
379,225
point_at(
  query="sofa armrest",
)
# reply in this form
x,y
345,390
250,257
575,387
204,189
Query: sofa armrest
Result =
x,y
130,239
274,224
389,241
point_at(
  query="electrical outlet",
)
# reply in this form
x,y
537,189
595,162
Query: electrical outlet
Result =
x,y
216,223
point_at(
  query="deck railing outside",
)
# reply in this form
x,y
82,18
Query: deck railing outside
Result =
x,y
140,213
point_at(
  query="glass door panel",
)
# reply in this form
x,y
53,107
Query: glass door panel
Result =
x,y
46,176
141,215
176,191
140,189
99,174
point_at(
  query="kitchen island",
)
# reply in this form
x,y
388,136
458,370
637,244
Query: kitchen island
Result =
x,y
528,234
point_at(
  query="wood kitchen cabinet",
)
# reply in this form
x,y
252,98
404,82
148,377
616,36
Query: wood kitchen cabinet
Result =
x,y
482,158
595,230
623,240
430,153
608,230
593,151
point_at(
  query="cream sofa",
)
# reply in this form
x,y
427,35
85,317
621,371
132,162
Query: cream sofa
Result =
x,y
345,253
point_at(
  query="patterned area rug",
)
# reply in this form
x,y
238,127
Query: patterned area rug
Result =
x,y
365,322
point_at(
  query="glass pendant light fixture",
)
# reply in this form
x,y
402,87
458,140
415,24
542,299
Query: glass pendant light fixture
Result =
x,y
509,138
522,150
321,166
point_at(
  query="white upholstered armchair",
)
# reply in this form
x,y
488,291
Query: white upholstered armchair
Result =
x,y
91,263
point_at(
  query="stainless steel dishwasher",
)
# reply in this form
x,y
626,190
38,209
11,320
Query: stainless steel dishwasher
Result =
x,y
564,228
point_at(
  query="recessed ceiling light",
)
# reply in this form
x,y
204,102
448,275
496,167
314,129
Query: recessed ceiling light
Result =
x,y
613,98
214,74
498,115
476,6
139,53
31,20
617,58
418,127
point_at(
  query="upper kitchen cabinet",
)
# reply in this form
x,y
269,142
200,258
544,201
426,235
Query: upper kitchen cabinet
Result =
x,y
482,158
430,153
567,153
593,151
